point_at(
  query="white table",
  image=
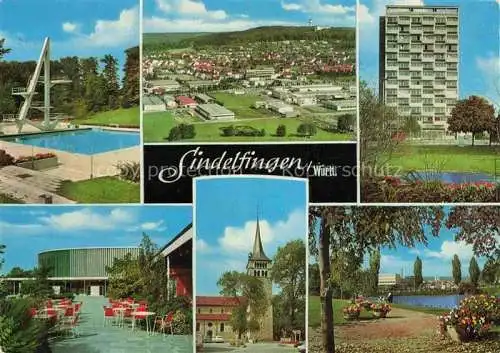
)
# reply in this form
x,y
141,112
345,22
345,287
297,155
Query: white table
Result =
x,y
121,312
147,314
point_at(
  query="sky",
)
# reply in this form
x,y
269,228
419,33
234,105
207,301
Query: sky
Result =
x,y
81,28
225,222
28,230
479,39
436,256
235,15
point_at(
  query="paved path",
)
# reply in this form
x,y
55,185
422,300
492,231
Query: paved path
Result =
x,y
94,338
29,185
250,348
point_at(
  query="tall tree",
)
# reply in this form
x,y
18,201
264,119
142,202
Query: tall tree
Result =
x,y
417,273
477,226
491,271
474,272
374,270
472,115
3,50
361,229
249,291
110,74
456,270
289,272
130,87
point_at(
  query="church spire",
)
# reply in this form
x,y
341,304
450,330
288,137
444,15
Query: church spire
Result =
x,y
258,249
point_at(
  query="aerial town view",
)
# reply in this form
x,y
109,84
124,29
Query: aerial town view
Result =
x,y
430,101
250,264
269,82
69,106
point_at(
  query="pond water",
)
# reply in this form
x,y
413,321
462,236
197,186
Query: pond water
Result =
x,y
433,301
453,177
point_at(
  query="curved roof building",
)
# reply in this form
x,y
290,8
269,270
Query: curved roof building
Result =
x,y
83,263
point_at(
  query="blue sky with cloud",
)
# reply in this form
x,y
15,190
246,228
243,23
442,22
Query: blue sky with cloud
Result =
x,y
234,15
26,230
76,27
436,256
225,222
479,70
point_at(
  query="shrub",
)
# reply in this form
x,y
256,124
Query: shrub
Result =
x,y
393,189
467,288
181,132
262,132
228,130
36,157
5,159
346,122
281,130
130,171
306,129
182,322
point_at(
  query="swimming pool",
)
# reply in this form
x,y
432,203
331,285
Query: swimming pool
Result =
x,y
89,142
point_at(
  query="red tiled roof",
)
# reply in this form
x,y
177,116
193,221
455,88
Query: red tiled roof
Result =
x,y
213,317
218,301
185,100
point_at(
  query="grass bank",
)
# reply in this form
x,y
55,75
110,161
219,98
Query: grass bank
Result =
x,y
122,117
101,190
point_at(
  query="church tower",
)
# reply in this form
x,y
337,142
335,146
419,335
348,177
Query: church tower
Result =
x,y
259,265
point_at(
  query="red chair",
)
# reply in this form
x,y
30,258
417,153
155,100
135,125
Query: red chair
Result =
x,y
70,311
109,314
165,323
33,312
49,304
78,307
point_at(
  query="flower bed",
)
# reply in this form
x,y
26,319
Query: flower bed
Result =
x,y
472,319
393,189
39,161
380,310
351,312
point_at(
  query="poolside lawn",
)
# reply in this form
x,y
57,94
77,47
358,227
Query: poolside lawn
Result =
x,y
101,190
124,117
478,159
157,127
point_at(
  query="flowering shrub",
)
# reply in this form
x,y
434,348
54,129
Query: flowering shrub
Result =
x,y
475,316
381,307
5,159
36,157
352,310
393,189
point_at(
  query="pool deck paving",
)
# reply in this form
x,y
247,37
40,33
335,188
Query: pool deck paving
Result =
x,y
96,338
74,166
29,185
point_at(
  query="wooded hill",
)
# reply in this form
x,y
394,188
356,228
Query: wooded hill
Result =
x,y
95,84
157,41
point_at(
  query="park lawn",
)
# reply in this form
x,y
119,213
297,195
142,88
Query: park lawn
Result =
x,y
157,127
127,117
478,159
338,317
101,190
242,104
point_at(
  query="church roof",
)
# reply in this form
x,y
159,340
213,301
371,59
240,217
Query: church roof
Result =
x,y
258,250
218,301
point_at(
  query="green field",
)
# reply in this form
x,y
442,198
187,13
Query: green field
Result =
x,y
163,38
157,127
479,159
101,190
124,117
242,104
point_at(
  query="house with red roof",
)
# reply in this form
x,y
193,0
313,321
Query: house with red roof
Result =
x,y
184,101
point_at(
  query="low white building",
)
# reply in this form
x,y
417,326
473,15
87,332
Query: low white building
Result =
x,y
214,112
153,104
388,279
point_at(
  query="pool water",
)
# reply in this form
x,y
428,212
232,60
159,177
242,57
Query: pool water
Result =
x,y
87,142
432,301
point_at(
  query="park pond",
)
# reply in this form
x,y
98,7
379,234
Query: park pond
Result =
x,y
452,177
432,301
